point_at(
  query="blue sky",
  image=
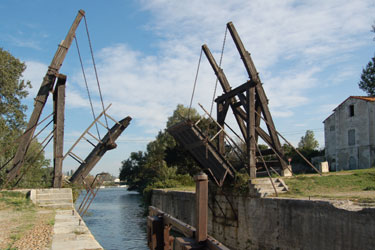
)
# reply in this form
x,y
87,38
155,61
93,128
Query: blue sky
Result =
x,y
309,55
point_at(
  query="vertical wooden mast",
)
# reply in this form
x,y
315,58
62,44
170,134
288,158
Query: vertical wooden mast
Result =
x,y
41,99
58,129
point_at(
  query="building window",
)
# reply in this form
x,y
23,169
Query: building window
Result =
x,y
351,137
332,128
351,110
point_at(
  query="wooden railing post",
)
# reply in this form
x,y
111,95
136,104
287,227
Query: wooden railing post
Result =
x,y
201,202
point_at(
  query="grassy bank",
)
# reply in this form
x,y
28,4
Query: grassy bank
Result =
x,y
358,185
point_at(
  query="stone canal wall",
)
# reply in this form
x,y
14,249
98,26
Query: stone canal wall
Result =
x,y
271,223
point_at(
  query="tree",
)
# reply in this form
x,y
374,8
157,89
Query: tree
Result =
x,y
367,82
308,141
12,122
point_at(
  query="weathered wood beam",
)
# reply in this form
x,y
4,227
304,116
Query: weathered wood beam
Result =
x,y
100,149
41,99
240,89
250,140
253,74
58,132
225,85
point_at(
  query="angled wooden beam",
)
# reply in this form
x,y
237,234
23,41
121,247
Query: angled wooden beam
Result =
x,y
58,132
253,74
41,99
226,87
100,149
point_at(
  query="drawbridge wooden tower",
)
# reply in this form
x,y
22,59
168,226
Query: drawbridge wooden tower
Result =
x,y
55,82
249,104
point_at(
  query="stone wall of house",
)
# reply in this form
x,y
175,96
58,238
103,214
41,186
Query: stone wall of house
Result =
x,y
341,126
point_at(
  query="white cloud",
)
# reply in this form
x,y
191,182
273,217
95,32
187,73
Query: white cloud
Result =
x,y
291,43
309,35
35,71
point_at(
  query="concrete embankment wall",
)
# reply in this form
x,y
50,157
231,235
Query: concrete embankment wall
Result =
x,y
271,223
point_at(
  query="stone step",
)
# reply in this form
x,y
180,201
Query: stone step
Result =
x,y
54,201
266,185
52,196
263,180
53,190
270,190
55,206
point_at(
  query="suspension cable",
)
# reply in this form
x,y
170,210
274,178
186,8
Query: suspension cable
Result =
x,y
87,87
8,146
217,78
96,74
195,83
27,169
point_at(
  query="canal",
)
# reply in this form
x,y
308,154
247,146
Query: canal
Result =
x,y
115,219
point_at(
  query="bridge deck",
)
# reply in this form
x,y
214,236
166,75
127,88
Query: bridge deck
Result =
x,y
202,150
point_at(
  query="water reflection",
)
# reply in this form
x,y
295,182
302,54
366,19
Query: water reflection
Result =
x,y
115,219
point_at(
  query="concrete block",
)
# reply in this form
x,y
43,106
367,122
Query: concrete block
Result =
x,y
323,167
287,171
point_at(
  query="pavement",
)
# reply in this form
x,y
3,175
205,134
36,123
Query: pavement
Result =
x,y
70,232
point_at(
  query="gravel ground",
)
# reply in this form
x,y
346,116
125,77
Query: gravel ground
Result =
x,y
38,237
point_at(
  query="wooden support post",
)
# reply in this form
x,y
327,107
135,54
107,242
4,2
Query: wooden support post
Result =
x,y
250,140
100,149
58,125
155,233
201,203
168,240
41,99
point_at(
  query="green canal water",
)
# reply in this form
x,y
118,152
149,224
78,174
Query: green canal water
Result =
x,y
115,219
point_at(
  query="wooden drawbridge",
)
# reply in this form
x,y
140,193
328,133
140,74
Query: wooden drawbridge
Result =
x,y
203,151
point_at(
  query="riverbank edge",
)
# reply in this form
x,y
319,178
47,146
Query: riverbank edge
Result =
x,y
69,230
241,222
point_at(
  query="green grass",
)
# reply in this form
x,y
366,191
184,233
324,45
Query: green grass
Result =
x,y
15,200
24,213
335,184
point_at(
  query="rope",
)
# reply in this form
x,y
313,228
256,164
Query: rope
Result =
x,y
217,78
87,87
195,83
96,74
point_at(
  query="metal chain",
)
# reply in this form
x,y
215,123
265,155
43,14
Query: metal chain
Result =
x,y
96,73
195,83
217,78
87,87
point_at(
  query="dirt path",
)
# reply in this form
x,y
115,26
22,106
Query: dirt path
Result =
x,y
26,229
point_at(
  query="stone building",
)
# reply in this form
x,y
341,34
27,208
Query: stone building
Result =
x,y
349,134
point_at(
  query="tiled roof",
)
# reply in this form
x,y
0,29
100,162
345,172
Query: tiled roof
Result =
x,y
365,98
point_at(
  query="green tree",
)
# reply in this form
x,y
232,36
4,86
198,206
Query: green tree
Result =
x,y
165,163
367,82
13,89
308,141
